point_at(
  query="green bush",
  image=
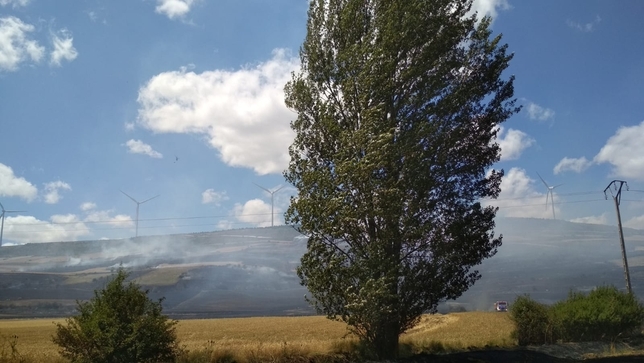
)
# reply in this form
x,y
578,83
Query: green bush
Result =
x,y
603,314
532,321
120,324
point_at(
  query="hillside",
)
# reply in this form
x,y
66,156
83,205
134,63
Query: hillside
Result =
x,y
251,272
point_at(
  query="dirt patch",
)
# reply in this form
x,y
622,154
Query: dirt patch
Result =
x,y
432,322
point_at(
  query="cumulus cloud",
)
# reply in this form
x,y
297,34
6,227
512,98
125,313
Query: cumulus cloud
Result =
x,y
62,43
538,113
625,152
174,8
139,147
211,196
15,45
257,212
572,164
87,206
241,112
13,186
602,219
519,197
52,189
28,229
584,27
512,143
488,7
14,3
105,217
635,222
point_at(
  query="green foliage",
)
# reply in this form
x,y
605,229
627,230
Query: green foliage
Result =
x,y
532,321
604,314
398,105
120,324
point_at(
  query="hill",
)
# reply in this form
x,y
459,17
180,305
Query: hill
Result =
x,y
251,272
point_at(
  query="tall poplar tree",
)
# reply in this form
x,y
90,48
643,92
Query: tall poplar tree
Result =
x,y
398,105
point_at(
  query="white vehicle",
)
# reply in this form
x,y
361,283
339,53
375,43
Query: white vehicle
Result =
x,y
501,306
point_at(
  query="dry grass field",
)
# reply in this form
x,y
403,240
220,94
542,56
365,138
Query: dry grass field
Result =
x,y
245,337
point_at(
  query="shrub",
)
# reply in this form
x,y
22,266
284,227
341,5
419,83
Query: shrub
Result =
x,y
532,321
604,314
120,324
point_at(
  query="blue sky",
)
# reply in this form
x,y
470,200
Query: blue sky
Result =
x,y
100,96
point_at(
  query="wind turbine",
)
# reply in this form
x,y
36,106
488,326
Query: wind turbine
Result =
x,y
272,203
137,209
2,217
550,193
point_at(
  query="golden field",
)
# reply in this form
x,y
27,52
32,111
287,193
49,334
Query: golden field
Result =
x,y
263,335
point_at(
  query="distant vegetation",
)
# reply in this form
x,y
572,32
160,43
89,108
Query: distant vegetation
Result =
x,y
603,314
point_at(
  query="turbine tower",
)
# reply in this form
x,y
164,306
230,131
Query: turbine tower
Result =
x,y
550,193
137,209
2,217
272,202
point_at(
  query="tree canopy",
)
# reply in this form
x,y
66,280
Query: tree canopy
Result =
x,y
120,324
398,107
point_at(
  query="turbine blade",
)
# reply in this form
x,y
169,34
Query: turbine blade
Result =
x,y
544,182
558,185
15,211
147,200
134,200
280,188
259,186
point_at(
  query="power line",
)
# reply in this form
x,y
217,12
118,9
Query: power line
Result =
x,y
110,221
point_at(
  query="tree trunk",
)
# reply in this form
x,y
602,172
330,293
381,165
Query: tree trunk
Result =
x,y
386,341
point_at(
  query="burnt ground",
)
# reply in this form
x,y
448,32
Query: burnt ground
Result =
x,y
515,355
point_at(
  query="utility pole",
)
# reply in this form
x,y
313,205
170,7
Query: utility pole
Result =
x,y
617,197
271,192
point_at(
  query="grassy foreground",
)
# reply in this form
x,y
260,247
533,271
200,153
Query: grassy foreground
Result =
x,y
253,339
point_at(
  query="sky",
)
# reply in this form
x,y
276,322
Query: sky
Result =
x,y
183,99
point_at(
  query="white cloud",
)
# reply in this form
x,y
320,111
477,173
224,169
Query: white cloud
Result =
x,y
602,219
87,206
51,191
625,152
585,28
536,112
14,3
211,196
139,147
572,164
635,222
257,212
520,198
28,229
224,224
92,215
13,186
62,43
242,112
512,143
105,217
488,7
174,8
15,45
